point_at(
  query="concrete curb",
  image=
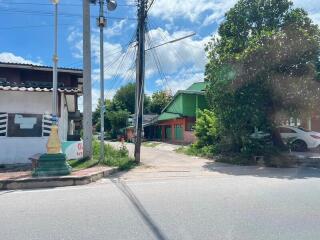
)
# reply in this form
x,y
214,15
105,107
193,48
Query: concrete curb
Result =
x,y
51,182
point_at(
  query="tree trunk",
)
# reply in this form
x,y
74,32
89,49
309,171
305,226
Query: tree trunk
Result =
x,y
277,140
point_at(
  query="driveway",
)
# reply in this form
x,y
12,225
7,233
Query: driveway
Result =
x,y
161,162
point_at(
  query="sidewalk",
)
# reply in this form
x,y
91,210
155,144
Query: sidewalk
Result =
x,y
24,179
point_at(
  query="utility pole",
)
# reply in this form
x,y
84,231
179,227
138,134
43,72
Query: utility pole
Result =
x,y
101,24
87,84
140,69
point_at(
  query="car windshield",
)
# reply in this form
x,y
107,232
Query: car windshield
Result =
x,y
303,129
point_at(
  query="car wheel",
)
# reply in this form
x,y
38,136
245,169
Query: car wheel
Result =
x,y
299,146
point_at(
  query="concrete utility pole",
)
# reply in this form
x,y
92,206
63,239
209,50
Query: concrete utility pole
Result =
x,y
142,15
87,87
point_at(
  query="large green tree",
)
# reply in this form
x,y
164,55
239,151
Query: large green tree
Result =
x,y
119,109
124,99
262,66
159,100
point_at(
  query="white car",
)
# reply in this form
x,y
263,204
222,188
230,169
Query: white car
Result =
x,y
299,138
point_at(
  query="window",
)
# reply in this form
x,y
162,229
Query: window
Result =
x,y
286,130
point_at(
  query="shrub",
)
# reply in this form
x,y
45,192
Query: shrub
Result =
x,y
207,129
114,157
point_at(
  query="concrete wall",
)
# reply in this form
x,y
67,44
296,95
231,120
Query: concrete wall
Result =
x,y
25,102
18,149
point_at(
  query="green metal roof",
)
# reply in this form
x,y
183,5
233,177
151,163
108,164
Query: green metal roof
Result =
x,y
199,86
168,116
195,92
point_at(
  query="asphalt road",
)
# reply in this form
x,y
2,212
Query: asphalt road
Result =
x,y
219,202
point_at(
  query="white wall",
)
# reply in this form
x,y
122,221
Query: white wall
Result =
x,y
18,150
63,121
25,102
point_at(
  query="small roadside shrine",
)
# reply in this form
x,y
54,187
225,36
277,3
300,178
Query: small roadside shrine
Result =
x,y
25,107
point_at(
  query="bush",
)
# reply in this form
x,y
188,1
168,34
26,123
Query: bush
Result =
x,y
207,129
194,150
114,157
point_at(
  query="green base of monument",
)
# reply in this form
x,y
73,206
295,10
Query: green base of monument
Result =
x,y
52,165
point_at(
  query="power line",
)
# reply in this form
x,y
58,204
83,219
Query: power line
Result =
x,y
152,2
33,26
61,4
61,14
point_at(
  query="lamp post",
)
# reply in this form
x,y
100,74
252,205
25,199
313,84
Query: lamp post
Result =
x,y
101,22
54,145
53,163
55,60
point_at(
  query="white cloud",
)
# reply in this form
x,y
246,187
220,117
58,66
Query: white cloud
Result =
x,y
187,53
207,11
311,6
182,62
118,59
180,81
11,58
116,28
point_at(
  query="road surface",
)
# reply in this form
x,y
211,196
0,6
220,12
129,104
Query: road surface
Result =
x,y
179,198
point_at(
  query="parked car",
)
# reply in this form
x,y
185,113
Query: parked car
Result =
x,y
298,138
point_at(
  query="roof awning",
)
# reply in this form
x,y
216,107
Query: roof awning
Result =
x,y
38,89
168,116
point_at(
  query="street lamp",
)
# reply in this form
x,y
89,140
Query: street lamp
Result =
x,y
101,21
54,163
54,145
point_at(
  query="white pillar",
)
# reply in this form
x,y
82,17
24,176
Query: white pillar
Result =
x,y
87,87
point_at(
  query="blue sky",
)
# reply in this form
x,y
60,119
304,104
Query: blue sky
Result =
x,y
26,35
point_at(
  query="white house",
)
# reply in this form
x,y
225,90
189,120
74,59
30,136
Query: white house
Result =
x,y
25,105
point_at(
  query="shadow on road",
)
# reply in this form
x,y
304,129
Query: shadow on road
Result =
x,y
6,192
122,186
266,172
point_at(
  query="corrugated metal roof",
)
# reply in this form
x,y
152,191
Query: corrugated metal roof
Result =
x,y
168,116
39,67
198,86
194,92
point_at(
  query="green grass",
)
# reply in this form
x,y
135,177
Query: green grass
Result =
x,y
113,157
83,163
188,150
150,144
